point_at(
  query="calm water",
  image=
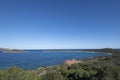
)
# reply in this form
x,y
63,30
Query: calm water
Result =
x,y
35,59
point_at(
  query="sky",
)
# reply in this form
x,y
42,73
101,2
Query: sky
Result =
x,y
59,24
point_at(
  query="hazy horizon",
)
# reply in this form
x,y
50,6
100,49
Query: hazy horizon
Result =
x,y
56,48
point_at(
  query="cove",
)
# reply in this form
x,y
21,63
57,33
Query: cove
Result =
x,y
33,59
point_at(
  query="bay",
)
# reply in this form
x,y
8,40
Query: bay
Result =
x,y
33,59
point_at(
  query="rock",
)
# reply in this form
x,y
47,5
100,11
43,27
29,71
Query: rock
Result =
x,y
73,61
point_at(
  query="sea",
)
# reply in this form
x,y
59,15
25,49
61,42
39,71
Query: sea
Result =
x,y
33,59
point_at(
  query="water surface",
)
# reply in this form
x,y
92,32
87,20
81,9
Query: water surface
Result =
x,y
34,59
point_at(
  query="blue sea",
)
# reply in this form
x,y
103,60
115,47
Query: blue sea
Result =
x,y
33,59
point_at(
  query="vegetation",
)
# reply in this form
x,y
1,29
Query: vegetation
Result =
x,y
98,68
15,73
104,50
15,50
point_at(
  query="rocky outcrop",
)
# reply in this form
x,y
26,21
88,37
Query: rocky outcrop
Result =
x,y
70,62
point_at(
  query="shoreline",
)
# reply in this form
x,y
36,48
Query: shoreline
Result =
x,y
81,51
74,61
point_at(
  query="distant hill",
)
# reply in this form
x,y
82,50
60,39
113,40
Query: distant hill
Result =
x,y
104,50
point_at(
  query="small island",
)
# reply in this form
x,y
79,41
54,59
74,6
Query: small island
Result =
x,y
7,50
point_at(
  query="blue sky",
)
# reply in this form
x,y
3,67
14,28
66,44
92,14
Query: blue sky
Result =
x,y
59,24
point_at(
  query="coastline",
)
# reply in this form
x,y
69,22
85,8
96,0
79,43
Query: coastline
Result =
x,y
75,60
98,52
